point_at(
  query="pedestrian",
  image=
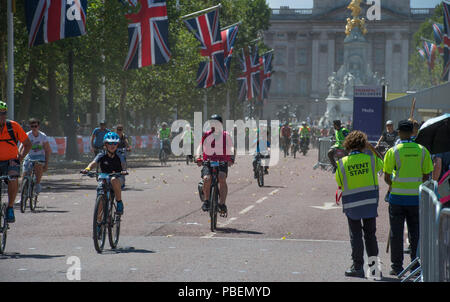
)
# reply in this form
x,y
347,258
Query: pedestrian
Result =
x,y
441,174
406,166
340,134
97,137
357,177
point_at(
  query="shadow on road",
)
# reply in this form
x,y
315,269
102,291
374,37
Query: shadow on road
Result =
x,y
128,250
29,256
236,231
66,185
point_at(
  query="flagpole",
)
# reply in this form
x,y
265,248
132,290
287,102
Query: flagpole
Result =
x,y
229,26
10,76
202,11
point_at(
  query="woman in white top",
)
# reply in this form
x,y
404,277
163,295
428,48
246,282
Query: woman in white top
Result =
x,y
40,150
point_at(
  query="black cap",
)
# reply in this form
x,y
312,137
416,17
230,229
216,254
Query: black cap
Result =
x,y
217,118
405,125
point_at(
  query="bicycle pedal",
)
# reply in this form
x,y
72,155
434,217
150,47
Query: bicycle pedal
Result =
x,y
224,214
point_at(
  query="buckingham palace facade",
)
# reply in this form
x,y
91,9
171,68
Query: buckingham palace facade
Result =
x,y
309,47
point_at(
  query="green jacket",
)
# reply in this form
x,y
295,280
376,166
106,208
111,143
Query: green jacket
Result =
x,y
340,137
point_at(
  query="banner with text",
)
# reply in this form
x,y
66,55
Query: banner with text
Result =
x,y
368,110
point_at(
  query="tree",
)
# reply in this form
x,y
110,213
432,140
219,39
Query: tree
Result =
x,y
420,76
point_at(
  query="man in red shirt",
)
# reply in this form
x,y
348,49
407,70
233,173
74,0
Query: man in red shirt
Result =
x,y
212,153
10,133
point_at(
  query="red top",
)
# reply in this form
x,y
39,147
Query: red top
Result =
x,y
210,152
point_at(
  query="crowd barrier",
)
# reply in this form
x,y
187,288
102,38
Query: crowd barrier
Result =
x,y
323,162
59,144
434,240
444,245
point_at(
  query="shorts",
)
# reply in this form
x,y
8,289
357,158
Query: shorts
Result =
x,y
100,183
27,164
222,168
10,167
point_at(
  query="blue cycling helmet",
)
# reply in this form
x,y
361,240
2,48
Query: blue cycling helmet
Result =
x,y
111,137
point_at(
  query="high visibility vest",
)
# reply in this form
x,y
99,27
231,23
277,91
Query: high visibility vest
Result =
x,y
340,137
304,131
360,192
409,159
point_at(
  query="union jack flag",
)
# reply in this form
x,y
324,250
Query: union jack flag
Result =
x,y
438,36
249,80
228,39
206,29
421,53
265,78
148,34
446,37
430,53
52,20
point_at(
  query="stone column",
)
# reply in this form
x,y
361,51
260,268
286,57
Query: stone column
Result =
x,y
388,60
315,63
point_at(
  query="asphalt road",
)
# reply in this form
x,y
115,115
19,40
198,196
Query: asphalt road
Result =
x,y
290,230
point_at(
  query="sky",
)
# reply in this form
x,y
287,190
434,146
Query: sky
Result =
x,y
309,3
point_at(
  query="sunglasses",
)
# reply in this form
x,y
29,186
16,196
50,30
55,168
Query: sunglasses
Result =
x,y
119,129
3,113
34,126
113,144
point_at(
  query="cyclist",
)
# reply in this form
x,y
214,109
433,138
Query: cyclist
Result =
x,y
261,152
164,135
40,150
10,157
97,137
111,162
225,155
124,145
340,134
295,139
389,136
305,133
286,136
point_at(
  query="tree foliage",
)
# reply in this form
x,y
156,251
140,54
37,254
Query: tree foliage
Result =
x,y
153,93
420,76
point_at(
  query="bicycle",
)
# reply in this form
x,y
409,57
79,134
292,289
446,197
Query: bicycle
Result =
x,y
214,192
105,209
164,153
4,225
260,170
27,190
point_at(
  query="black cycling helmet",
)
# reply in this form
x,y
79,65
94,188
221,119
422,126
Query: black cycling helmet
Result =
x,y
216,117
337,123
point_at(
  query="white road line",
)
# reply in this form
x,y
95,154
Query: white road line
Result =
x,y
261,199
227,222
274,192
246,209
210,235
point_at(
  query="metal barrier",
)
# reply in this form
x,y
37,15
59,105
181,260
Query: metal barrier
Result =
x,y
444,245
428,250
323,162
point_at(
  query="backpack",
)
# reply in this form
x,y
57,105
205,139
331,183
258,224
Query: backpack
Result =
x,y
10,130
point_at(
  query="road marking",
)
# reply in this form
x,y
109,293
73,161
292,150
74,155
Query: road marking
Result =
x,y
227,222
274,192
246,209
210,235
261,199
327,206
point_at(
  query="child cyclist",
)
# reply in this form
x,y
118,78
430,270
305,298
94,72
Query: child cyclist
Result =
x,y
111,162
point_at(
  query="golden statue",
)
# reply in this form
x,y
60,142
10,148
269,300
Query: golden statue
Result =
x,y
355,7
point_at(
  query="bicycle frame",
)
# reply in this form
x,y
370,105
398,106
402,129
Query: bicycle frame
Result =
x,y
4,225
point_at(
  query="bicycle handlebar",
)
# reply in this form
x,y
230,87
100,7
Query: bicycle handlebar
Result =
x,y
94,174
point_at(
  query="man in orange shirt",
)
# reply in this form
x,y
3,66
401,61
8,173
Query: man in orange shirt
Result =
x,y
10,134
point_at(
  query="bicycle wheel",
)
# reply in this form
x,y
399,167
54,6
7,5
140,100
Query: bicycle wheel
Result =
x,y
33,199
213,208
113,225
3,227
99,225
24,194
260,176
